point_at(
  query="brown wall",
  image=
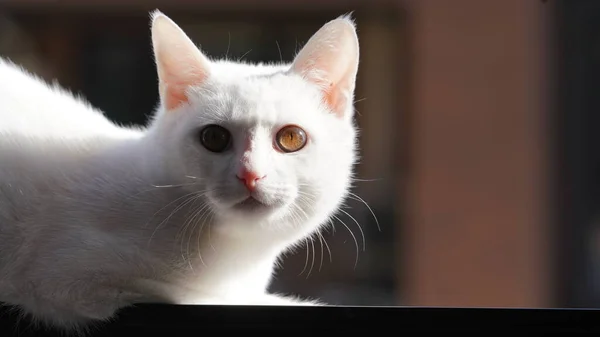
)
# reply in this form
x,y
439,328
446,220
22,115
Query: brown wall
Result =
x,y
477,233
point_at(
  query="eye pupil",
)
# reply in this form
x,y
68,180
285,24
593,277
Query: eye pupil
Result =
x,y
291,139
215,138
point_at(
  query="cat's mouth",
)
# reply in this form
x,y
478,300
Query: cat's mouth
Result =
x,y
251,204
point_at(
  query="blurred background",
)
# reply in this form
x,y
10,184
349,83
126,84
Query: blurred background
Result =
x,y
478,123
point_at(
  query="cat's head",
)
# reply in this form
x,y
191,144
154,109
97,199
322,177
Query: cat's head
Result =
x,y
271,147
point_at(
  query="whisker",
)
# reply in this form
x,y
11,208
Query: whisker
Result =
x,y
302,200
306,262
190,198
196,220
186,199
174,201
175,185
279,49
327,246
357,198
306,217
359,228
353,237
312,243
242,57
184,228
228,44
201,219
209,219
322,253
332,227
210,223
365,180
188,217
154,188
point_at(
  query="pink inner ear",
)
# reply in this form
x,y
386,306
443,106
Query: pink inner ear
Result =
x,y
330,60
333,91
175,94
332,68
175,82
174,97
335,100
180,64
335,95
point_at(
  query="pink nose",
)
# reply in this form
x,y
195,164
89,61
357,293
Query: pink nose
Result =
x,y
249,178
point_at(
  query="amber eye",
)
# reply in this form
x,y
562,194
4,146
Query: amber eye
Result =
x,y
290,138
215,138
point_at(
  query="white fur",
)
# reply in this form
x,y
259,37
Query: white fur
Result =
x,y
96,216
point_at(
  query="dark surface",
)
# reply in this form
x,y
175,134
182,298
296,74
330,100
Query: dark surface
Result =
x,y
195,320
575,130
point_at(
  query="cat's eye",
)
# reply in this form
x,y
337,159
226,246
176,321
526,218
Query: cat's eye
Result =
x,y
291,138
215,138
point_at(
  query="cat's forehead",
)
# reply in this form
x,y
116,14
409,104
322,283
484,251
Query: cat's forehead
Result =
x,y
274,98
228,71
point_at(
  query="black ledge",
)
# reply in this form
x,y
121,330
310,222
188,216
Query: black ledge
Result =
x,y
182,320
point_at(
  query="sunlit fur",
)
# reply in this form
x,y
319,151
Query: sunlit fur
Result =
x,y
95,216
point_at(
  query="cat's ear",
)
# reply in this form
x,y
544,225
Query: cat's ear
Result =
x,y
179,63
330,60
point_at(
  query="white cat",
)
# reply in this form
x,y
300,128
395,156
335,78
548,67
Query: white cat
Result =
x,y
240,163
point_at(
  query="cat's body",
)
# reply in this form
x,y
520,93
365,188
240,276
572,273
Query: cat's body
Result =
x,y
96,216
32,107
